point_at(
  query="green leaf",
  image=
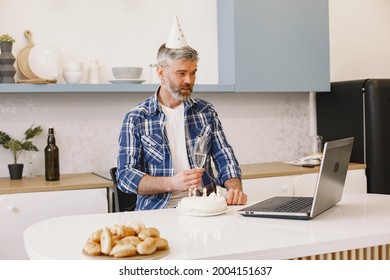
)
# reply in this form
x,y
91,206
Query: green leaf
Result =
x,y
4,138
14,145
29,146
31,132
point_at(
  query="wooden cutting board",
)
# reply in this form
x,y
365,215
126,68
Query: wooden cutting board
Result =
x,y
22,57
156,255
37,81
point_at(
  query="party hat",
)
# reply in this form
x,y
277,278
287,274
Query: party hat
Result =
x,y
176,38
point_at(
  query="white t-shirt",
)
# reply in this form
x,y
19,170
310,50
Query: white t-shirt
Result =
x,y
175,130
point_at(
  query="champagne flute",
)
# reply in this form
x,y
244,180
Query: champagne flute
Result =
x,y
199,152
30,158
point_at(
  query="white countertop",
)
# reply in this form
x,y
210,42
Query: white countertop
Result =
x,y
359,220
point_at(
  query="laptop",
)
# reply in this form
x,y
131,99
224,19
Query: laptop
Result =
x,y
328,191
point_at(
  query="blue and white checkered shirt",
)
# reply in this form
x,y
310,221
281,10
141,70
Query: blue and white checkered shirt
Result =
x,y
144,147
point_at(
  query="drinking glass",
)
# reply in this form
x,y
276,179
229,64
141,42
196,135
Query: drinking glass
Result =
x,y
317,145
30,158
199,153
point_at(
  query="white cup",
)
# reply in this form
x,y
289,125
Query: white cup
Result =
x,y
72,77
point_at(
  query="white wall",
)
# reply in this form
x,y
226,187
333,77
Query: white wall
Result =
x,y
261,127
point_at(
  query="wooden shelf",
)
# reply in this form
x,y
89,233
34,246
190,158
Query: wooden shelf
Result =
x,y
64,88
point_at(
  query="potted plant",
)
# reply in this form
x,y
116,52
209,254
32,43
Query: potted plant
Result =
x,y
6,42
17,147
7,59
6,38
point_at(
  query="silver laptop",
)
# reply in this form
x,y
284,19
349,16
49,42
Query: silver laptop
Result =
x,y
329,188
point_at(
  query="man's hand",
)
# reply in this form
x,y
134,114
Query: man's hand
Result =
x,y
235,194
183,181
187,179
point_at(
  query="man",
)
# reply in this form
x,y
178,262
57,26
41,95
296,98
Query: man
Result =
x,y
157,138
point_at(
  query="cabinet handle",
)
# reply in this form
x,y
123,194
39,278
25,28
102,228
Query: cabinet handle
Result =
x,y
284,188
12,208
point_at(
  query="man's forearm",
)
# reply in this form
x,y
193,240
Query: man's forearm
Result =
x,y
154,184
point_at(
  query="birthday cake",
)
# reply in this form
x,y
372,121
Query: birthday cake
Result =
x,y
214,203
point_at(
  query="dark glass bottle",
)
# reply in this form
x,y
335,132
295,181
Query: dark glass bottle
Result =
x,y
52,162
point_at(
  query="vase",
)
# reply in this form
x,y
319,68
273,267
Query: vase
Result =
x,y
7,60
15,171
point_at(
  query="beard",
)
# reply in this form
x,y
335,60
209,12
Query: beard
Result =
x,y
176,91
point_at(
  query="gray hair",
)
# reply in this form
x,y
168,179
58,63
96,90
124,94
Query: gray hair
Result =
x,y
166,56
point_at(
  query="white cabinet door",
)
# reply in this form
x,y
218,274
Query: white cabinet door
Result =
x,y
298,185
19,211
263,188
356,182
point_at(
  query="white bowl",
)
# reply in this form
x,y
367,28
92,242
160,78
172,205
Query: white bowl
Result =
x,y
127,72
73,66
72,77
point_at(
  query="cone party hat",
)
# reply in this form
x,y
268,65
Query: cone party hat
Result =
x,y
176,39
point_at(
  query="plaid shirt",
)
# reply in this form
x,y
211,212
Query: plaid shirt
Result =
x,y
144,147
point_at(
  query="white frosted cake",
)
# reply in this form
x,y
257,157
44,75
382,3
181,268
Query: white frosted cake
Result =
x,y
203,204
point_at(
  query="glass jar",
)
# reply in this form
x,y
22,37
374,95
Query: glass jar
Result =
x,y
317,145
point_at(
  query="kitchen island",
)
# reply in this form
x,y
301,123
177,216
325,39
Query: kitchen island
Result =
x,y
24,202
358,227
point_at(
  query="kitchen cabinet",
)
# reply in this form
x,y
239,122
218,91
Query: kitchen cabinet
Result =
x,y
263,188
29,200
274,46
299,185
19,211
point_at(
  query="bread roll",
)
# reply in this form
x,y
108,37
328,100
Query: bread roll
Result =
x,y
136,225
106,241
161,243
148,232
133,240
125,231
147,247
123,250
92,248
95,237
120,231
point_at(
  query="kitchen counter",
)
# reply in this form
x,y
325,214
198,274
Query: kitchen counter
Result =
x,y
67,182
92,181
357,227
276,169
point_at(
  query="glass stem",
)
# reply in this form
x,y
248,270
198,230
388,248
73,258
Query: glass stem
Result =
x,y
213,181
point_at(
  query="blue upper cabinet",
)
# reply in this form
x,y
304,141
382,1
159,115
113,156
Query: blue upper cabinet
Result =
x,y
274,45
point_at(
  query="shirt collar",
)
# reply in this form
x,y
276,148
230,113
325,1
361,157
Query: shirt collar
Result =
x,y
154,104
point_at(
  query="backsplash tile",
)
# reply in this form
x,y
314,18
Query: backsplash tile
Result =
x,y
261,127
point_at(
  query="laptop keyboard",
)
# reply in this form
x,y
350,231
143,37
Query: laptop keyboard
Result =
x,y
295,205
